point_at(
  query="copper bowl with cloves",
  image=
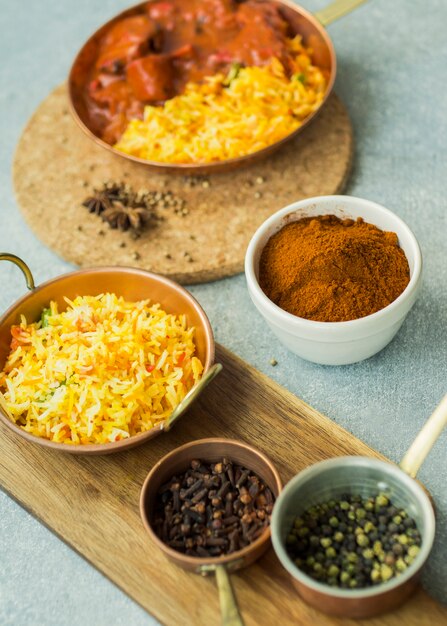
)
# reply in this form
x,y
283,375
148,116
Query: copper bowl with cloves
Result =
x,y
205,476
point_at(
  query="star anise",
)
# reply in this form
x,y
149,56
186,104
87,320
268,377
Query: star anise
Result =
x,y
97,203
126,209
124,217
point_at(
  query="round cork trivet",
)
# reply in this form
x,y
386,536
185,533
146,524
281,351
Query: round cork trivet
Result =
x,y
56,167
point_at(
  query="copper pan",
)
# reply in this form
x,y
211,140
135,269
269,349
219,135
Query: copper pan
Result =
x,y
211,451
133,284
310,26
366,476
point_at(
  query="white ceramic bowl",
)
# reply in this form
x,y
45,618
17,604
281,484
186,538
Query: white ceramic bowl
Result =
x,y
335,343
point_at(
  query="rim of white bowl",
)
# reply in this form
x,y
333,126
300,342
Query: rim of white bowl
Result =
x,y
290,318
365,592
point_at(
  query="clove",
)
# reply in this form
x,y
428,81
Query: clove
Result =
x,y
212,509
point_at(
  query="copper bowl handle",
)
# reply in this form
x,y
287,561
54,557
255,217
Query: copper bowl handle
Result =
x,y
191,395
229,609
5,256
425,440
335,10
228,604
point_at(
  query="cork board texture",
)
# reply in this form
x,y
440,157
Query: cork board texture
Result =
x,y
203,234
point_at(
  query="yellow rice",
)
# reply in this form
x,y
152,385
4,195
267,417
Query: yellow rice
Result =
x,y
103,370
212,121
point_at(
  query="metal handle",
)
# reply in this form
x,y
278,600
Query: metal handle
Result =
x,y
336,9
5,256
425,440
191,395
228,605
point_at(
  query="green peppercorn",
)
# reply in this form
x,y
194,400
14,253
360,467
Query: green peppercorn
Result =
x,y
344,577
333,570
413,551
331,552
368,553
382,500
333,521
376,575
352,557
360,513
377,547
338,536
386,572
368,527
326,542
362,540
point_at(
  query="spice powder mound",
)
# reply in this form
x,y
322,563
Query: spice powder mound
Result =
x,y
332,270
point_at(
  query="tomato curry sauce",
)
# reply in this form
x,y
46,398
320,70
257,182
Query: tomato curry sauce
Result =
x,y
148,57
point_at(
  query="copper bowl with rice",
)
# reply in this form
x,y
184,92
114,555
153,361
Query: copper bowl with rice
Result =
x,y
133,285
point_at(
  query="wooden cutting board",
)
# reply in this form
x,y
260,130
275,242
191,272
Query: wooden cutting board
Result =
x,y
56,167
92,503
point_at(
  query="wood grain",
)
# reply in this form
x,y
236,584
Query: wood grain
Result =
x,y
92,504
56,167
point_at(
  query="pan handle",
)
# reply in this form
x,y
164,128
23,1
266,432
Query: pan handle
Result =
x,y
191,395
228,605
425,440
5,256
336,9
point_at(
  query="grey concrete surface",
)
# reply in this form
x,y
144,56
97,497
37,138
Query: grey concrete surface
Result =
x,y
392,76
